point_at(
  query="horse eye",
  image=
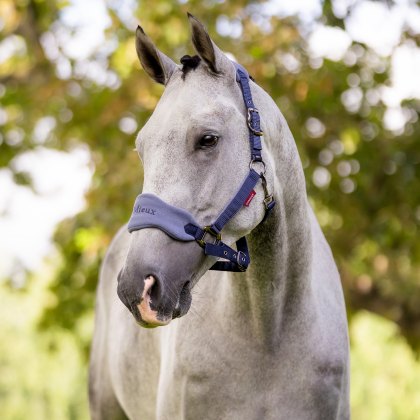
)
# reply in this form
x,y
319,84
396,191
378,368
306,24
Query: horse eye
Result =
x,y
208,140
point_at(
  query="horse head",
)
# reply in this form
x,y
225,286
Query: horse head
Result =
x,y
195,153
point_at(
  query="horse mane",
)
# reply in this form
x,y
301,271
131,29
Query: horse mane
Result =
x,y
189,63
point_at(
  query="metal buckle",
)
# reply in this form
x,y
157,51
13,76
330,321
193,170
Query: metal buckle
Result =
x,y
249,121
210,231
241,259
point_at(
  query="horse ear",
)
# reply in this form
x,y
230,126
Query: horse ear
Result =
x,y
156,64
207,49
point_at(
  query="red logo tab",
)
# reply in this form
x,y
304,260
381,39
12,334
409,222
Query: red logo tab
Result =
x,y
249,198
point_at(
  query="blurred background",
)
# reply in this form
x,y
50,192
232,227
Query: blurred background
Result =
x,y
346,75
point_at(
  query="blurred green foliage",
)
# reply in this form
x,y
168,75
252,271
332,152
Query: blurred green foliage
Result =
x,y
385,374
43,375
369,209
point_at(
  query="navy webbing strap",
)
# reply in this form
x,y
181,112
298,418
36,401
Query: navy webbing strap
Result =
x,y
238,201
253,117
237,260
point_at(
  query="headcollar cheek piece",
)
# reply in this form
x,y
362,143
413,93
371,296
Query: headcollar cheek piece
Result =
x,y
151,212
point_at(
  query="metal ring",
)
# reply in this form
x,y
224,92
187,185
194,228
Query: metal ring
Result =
x,y
258,161
207,230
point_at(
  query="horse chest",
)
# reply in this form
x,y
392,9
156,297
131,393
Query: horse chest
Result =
x,y
200,369
215,376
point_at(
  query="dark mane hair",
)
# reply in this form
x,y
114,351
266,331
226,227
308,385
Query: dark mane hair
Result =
x,y
189,63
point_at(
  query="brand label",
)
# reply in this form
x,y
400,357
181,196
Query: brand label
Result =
x,y
147,210
249,198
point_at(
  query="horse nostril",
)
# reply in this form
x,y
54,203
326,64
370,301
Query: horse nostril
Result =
x,y
152,288
148,308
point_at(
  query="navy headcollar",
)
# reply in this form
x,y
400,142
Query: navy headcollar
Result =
x,y
151,212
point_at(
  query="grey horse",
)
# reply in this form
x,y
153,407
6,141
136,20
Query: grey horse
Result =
x,y
269,343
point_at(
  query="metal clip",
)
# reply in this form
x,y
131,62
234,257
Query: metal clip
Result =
x,y
268,198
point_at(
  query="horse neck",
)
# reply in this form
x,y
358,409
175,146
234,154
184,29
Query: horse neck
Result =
x,y
274,292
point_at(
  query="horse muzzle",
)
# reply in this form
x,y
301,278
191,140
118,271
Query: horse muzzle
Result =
x,y
153,308
155,285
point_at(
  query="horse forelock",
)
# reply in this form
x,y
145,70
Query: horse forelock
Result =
x,y
189,63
